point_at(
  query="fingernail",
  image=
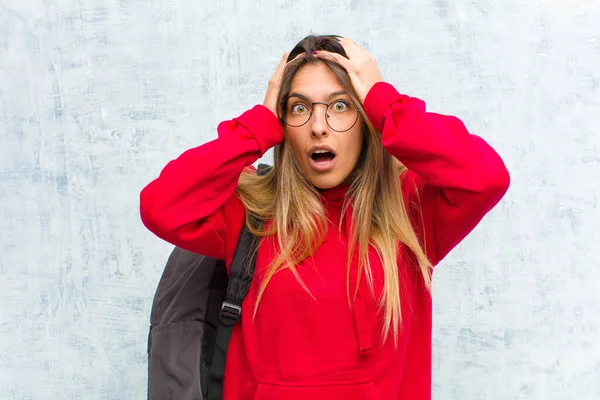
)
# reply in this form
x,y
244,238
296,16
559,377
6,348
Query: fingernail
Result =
x,y
315,53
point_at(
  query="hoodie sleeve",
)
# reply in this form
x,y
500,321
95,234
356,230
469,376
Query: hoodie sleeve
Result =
x,y
192,203
455,176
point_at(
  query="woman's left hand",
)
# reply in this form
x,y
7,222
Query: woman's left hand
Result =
x,y
360,65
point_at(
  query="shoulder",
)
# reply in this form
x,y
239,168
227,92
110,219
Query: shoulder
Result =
x,y
235,209
410,185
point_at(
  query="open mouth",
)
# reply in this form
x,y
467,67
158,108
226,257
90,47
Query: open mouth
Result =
x,y
322,159
322,156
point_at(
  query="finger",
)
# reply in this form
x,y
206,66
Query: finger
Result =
x,y
340,59
282,62
299,56
352,48
278,74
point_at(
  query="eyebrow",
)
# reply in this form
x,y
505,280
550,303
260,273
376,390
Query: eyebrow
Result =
x,y
329,97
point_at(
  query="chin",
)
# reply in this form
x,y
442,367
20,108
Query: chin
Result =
x,y
324,182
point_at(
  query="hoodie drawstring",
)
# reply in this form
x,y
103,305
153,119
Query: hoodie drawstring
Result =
x,y
358,307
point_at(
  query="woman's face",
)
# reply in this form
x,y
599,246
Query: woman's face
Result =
x,y
327,157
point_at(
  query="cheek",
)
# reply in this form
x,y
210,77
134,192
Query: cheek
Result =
x,y
292,137
354,144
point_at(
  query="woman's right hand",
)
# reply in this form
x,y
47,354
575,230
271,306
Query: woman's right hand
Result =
x,y
275,83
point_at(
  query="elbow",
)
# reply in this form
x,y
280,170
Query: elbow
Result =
x,y
151,214
496,182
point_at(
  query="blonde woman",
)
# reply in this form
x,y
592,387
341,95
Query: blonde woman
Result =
x,y
368,192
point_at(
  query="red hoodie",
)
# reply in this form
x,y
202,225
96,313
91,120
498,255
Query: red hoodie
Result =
x,y
301,347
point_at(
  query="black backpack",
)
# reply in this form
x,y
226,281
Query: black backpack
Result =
x,y
193,313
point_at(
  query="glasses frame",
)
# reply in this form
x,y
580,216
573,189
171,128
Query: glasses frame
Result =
x,y
312,110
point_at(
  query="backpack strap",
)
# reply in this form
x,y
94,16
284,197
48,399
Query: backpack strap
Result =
x,y
240,278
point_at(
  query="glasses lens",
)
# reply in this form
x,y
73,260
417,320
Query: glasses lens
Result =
x,y
297,111
341,115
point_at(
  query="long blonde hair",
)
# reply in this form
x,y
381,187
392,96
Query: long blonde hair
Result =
x,y
380,218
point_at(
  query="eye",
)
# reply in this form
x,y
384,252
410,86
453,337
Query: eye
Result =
x,y
340,105
299,108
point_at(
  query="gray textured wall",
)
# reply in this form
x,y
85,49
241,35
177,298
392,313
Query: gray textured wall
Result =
x,y
97,95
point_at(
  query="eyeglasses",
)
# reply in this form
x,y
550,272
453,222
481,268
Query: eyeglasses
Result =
x,y
341,115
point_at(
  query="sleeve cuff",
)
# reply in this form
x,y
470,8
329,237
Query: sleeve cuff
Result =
x,y
380,97
263,125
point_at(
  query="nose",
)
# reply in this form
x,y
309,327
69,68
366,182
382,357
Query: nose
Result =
x,y
319,125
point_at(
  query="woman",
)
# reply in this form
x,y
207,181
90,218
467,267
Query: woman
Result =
x,y
368,192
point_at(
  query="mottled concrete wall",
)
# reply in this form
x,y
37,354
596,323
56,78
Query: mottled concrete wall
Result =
x,y
97,95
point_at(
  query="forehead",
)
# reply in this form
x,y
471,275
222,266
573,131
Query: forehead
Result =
x,y
316,81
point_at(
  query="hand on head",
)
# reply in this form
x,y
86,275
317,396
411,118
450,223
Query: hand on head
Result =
x,y
275,83
360,65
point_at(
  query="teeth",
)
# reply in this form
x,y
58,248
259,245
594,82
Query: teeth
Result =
x,y
322,151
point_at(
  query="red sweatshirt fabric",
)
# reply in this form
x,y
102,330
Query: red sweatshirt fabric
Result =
x,y
301,347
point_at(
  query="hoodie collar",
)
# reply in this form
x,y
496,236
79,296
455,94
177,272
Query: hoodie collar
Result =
x,y
334,197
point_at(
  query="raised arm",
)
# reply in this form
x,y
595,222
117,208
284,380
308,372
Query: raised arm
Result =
x,y
455,176
192,201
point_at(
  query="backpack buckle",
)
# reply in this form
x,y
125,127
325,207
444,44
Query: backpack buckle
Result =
x,y
230,313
